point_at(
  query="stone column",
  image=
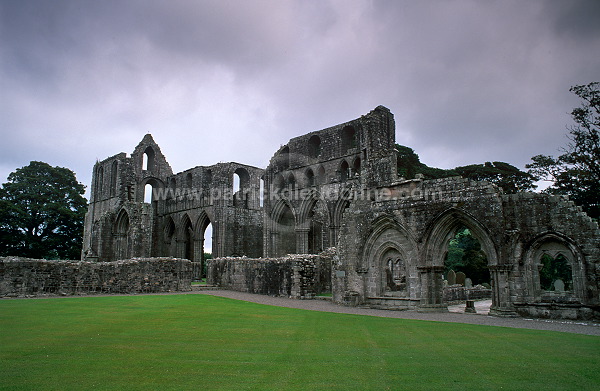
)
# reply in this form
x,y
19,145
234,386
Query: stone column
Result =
x,y
501,301
274,250
432,289
198,258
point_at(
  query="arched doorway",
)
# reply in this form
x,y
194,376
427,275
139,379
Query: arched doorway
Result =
x,y
442,231
186,236
122,248
169,238
389,265
283,234
204,232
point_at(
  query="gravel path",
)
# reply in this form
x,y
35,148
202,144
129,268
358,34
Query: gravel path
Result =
x,y
576,327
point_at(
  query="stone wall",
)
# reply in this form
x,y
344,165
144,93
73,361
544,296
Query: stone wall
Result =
x,y
458,293
300,276
34,277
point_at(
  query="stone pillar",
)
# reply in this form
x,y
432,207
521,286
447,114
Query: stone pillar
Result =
x,y
198,261
274,250
432,289
501,301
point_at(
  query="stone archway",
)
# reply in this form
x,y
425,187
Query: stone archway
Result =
x,y
169,238
121,235
283,229
431,268
314,224
388,264
553,247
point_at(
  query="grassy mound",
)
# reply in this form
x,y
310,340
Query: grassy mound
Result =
x,y
179,342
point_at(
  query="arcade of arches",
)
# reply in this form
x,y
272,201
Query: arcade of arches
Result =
x,y
339,187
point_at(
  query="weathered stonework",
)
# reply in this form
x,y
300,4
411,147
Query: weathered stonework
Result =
x,y
339,187
300,276
20,277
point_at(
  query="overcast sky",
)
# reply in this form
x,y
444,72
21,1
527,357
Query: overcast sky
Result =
x,y
217,81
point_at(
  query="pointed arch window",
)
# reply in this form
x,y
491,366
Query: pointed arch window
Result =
x,y
148,159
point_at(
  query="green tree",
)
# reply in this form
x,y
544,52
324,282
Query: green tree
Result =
x,y
465,255
409,164
42,210
576,172
504,175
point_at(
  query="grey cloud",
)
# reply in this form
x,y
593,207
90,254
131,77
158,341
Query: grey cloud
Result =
x,y
468,81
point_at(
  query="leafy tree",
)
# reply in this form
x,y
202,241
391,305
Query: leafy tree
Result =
x,y
409,165
42,210
465,255
576,172
504,175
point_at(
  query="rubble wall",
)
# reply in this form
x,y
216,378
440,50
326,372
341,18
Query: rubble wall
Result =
x,y
301,276
20,277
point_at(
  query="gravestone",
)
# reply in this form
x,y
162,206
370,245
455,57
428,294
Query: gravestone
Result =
x,y
451,278
559,286
460,278
468,283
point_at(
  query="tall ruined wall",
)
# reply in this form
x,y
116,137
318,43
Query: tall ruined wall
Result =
x,y
34,277
139,208
298,276
308,178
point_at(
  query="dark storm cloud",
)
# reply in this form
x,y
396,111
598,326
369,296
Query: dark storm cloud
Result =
x,y
468,81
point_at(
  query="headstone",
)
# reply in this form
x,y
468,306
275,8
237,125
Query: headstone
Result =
x,y
468,283
559,286
451,278
460,278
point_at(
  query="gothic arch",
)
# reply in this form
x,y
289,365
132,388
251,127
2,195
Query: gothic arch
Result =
x,y
122,235
186,237
314,221
114,169
283,229
344,171
443,228
310,177
155,183
202,223
553,244
337,213
148,159
169,237
388,236
99,182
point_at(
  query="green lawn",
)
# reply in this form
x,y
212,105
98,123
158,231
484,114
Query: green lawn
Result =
x,y
196,342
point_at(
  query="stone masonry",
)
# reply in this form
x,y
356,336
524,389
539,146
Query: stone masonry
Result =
x,y
34,277
339,187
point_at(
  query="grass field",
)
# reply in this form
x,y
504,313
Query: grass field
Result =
x,y
195,342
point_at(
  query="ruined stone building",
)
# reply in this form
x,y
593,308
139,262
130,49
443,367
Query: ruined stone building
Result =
x,y
339,187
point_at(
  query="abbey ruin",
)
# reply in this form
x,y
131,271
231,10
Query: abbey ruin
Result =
x,y
339,188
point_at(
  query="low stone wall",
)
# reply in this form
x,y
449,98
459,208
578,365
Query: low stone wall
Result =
x,y
300,276
20,277
458,293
